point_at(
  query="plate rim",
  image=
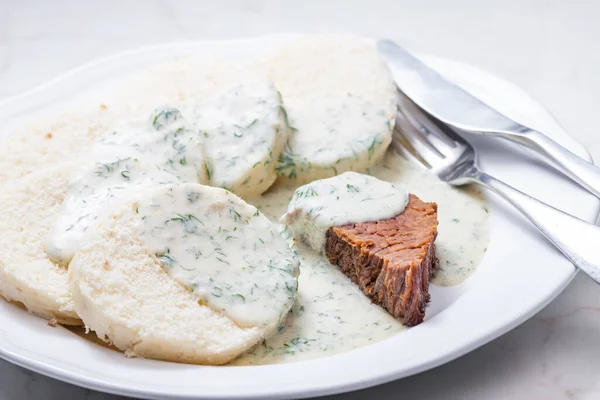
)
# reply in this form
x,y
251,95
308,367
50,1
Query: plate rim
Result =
x,y
84,380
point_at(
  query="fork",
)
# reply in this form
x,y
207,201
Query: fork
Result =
x,y
430,143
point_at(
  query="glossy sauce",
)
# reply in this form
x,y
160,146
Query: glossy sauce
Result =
x,y
95,188
331,315
333,134
227,253
244,131
346,198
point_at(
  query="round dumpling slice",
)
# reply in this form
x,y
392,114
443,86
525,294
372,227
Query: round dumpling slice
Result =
x,y
52,138
185,273
341,101
94,188
244,129
27,275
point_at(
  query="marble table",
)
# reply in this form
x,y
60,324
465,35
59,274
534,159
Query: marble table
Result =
x,y
547,47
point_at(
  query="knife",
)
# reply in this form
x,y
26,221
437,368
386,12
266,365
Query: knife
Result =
x,y
461,110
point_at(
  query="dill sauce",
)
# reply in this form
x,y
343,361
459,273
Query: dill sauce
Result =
x,y
346,198
331,315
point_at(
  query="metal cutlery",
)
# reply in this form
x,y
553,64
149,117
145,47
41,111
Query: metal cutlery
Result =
x,y
420,138
452,105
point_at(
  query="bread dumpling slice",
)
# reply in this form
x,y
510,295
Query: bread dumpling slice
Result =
x,y
27,275
56,136
341,101
244,129
185,273
95,187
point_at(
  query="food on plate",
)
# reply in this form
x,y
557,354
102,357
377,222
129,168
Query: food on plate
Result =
x,y
179,149
186,273
122,214
347,198
57,137
341,102
380,237
27,275
244,131
237,111
391,260
95,188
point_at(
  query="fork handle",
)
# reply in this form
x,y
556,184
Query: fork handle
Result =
x,y
578,240
581,171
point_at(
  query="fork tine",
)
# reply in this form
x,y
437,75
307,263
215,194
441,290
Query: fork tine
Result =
x,y
402,147
422,148
406,135
437,137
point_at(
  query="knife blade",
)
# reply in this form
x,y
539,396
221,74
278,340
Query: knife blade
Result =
x,y
452,105
439,97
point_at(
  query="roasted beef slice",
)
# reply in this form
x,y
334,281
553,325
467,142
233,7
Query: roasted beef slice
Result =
x,y
390,260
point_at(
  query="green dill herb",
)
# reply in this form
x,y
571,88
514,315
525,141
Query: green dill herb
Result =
x,y
335,171
103,170
165,117
286,165
285,117
239,296
352,188
165,259
374,143
306,193
236,215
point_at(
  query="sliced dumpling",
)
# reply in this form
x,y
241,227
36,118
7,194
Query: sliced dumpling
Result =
x,y
340,99
180,149
94,188
27,275
53,138
185,273
165,150
245,130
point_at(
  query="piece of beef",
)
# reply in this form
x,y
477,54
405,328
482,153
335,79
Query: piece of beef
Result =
x,y
390,260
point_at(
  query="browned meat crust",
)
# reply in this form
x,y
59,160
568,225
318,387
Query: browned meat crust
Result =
x,y
390,260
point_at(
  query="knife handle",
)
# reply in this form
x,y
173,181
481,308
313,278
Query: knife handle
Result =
x,y
579,170
576,239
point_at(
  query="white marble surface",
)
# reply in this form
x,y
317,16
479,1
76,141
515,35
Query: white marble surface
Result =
x,y
550,48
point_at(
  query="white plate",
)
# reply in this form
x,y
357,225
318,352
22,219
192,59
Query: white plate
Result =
x,y
519,275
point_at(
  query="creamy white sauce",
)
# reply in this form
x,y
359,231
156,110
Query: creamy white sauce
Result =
x,y
163,150
331,315
244,131
179,148
340,98
94,189
333,134
224,250
333,131
347,198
